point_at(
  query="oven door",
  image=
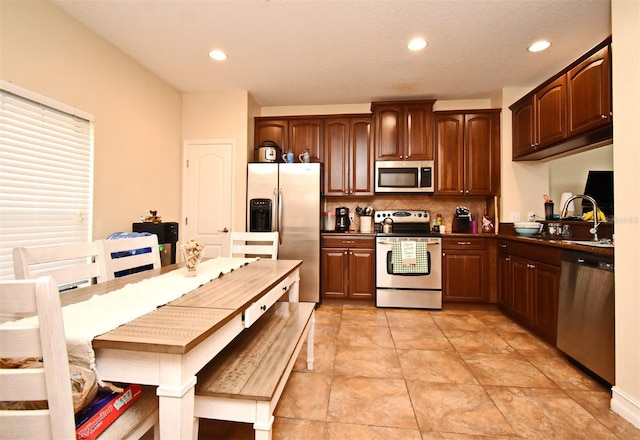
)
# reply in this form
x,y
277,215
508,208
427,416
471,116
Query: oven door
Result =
x,y
428,278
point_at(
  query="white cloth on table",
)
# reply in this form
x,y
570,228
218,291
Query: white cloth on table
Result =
x,y
102,313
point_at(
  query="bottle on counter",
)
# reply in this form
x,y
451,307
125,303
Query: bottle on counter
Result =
x,y
487,222
439,220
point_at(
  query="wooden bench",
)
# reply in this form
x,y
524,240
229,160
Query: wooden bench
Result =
x,y
245,381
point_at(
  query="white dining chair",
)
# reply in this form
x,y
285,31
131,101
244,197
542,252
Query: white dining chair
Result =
x,y
251,244
136,254
50,380
71,264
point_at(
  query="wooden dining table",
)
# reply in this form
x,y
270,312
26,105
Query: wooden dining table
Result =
x,y
168,346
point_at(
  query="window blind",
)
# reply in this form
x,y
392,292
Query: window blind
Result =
x,y
46,175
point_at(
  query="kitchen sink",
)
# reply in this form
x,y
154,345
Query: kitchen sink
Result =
x,y
602,244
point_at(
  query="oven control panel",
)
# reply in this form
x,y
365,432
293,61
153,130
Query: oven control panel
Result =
x,y
399,216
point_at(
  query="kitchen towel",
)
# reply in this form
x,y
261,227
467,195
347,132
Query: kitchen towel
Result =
x,y
421,265
408,250
102,313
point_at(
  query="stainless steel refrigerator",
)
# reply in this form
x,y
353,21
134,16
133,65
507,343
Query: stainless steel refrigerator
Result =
x,y
286,197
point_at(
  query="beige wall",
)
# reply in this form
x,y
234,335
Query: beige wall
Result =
x,y
222,115
626,132
137,115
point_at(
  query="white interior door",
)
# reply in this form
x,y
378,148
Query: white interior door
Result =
x,y
208,195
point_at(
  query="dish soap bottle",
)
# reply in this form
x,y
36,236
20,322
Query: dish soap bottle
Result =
x,y
487,222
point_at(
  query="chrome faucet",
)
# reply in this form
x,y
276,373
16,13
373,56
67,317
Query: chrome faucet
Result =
x,y
596,223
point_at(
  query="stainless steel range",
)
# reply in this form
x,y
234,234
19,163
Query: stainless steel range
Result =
x,y
408,261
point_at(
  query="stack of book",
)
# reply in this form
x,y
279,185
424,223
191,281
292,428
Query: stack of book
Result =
x,y
104,410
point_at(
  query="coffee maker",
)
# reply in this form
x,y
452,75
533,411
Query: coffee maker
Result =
x,y
342,219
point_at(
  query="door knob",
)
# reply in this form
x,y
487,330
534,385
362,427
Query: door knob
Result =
x,y
225,230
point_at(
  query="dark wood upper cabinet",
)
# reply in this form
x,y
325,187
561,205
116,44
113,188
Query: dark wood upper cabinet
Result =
x,y
570,111
467,153
276,130
589,89
550,105
306,133
403,130
295,134
348,156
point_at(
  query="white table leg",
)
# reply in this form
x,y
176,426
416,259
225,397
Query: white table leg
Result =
x,y
176,411
310,341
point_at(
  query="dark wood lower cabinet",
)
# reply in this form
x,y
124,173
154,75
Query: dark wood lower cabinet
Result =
x,y
348,267
529,282
464,269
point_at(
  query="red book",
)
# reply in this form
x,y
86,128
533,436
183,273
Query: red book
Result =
x,y
104,410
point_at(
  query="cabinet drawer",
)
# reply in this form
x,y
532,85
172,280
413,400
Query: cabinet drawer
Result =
x,y
504,247
260,307
348,242
544,254
463,243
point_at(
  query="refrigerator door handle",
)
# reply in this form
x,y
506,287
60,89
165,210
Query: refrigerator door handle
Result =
x,y
280,217
274,213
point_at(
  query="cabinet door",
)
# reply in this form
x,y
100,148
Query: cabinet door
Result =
x,y
336,157
335,265
469,287
418,131
361,273
551,113
505,290
389,131
361,157
276,130
545,299
306,133
589,87
481,154
522,288
449,154
522,126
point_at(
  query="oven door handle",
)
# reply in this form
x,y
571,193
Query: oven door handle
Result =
x,y
390,243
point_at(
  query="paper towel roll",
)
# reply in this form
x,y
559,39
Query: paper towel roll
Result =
x,y
563,199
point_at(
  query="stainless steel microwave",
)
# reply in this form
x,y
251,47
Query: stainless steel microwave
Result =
x,y
404,176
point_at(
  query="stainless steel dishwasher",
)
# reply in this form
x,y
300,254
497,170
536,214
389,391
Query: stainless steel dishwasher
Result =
x,y
586,314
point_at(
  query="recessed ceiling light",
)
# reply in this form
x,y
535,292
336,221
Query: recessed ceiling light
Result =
x,y
417,44
218,55
539,46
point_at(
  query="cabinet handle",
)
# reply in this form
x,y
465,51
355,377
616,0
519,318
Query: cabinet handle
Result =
x,y
263,308
503,246
345,252
464,243
284,289
461,191
348,241
604,116
531,266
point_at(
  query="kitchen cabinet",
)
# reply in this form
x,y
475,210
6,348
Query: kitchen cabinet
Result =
x,y
293,133
531,277
467,153
466,256
348,266
569,111
403,130
348,156
589,90
540,120
505,288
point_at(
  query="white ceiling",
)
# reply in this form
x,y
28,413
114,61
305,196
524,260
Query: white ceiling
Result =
x,y
313,52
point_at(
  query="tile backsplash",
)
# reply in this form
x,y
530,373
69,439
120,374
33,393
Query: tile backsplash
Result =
x,y
435,205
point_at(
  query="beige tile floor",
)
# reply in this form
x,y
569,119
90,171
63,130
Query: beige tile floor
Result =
x,y
465,372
